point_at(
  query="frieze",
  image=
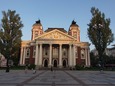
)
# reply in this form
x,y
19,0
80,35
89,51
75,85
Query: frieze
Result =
x,y
55,42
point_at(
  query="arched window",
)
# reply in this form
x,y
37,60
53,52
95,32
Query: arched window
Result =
x,y
45,63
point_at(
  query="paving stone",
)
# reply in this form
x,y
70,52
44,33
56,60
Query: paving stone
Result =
x,y
37,85
57,78
7,85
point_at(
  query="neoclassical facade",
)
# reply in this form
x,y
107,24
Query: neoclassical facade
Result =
x,y
55,47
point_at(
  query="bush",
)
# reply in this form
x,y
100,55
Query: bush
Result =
x,y
79,67
17,67
31,66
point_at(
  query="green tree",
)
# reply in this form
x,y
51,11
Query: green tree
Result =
x,y
99,32
94,59
10,35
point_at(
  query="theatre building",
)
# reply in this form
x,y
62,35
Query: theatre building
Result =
x,y
55,47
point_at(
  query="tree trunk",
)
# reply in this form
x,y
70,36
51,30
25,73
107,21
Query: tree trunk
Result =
x,y
7,68
101,60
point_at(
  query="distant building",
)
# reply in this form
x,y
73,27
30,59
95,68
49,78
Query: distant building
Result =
x,y
108,51
112,51
55,47
2,61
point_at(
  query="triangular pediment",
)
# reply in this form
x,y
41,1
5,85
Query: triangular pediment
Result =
x,y
56,34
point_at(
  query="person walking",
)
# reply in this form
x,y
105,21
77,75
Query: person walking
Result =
x,y
34,71
51,68
26,69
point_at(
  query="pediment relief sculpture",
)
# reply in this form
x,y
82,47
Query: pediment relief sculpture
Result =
x,y
55,35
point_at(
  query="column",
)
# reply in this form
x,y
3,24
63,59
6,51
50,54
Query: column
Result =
x,y
60,55
36,55
24,56
50,58
21,59
74,58
40,58
70,56
86,57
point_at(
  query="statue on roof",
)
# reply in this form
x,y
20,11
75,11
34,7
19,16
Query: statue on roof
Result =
x,y
38,22
73,22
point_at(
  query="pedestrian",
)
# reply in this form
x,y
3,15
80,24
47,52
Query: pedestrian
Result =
x,y
34,71
100,67
51,68
26,69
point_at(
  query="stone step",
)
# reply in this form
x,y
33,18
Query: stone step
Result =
x,y
54,68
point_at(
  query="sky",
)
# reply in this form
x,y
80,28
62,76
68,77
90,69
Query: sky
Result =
x,y
59,13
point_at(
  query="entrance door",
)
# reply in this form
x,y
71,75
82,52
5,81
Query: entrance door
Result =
x,y
64,63
55,63
46,63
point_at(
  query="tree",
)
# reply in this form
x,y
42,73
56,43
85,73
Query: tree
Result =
x,y
99,32
10,35
94,60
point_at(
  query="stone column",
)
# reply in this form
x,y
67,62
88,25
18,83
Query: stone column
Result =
x,y
74,58
40,57
36,55
60,55
70,56
50,56
86,56
24,56
21,59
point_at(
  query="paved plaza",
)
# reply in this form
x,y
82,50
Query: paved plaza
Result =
x,y
57,78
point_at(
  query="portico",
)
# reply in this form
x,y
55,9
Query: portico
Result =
x,y
57,55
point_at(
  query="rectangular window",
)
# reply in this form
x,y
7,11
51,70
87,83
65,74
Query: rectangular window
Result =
x,y
45,51
27,53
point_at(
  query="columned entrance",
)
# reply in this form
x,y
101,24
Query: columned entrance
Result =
x,y
55,55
